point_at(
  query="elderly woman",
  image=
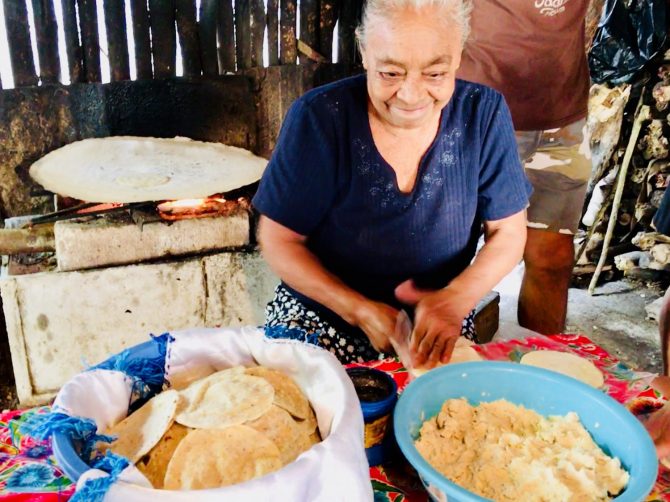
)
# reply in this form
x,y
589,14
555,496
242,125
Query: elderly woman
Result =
x,y
378,187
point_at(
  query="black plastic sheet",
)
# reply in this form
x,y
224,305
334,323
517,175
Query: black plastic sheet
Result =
x,y
629,34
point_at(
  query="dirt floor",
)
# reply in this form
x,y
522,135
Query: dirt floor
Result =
x,y
7,390
614,318
8,400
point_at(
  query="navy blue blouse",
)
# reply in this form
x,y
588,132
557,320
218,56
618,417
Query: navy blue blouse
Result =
x,y
327,181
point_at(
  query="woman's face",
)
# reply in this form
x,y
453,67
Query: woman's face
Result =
x,y
411,58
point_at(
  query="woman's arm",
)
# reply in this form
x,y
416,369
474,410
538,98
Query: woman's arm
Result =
x,y
439,314
288,256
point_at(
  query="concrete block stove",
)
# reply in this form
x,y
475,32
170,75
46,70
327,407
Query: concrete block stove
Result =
x,y
116,281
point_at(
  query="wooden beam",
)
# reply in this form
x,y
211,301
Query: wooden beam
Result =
x,y
163,37
309,25
187,29
18,37
288,47
328,19
88,28
46,34
306,51
258,21
142,39
117,42
73,49
273,31
225,29
349,16
29,240
243,34
642,114
207,30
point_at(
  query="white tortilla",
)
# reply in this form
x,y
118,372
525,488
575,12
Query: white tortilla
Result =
x,y
231,399
137,169
566,363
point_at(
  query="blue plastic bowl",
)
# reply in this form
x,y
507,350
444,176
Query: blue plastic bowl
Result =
x,y
611,425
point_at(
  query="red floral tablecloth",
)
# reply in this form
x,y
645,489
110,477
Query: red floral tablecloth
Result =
x,y
28,470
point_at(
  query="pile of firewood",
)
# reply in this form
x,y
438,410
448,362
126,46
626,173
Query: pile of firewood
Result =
x,y
629,126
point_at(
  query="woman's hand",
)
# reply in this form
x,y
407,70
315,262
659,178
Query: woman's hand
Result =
x,y
288,256
658,424
377,320
658,427
438,318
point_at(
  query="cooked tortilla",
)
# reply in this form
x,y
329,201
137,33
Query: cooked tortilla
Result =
x,y
230,399
280,427
142,430
138,169
221,457
154,464
287,393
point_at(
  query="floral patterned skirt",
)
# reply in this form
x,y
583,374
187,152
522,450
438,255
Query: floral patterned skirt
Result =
x,y
348,344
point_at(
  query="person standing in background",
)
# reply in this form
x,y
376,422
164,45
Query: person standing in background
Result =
x,y
533,52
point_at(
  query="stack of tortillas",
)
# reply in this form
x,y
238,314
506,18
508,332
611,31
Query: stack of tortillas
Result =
x,y
229,427
129,169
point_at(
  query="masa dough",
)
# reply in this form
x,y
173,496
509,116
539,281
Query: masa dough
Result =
x,y
566,363
509,453
128,169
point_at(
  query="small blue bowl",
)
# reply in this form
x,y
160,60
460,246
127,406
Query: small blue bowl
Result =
x,y
378,394
611,425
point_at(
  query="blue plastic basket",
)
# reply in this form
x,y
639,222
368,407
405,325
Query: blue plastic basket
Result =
x,y
64,450
611,425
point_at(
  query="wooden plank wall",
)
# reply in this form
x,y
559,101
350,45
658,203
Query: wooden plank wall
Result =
x,y
221,36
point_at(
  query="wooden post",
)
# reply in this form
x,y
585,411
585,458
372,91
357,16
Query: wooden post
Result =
x,y
117,43
88,27
72,45
207,29
642,114
18,36
257,31
329,12
273,32
27,240
288,47
142,39
187,29
349,17
243,34
309,25
225,29
163,37
46,34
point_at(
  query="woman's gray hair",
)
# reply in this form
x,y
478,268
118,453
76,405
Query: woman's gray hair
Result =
x,y
459,10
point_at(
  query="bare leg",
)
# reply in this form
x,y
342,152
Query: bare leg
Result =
x,y
543,300
664,332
